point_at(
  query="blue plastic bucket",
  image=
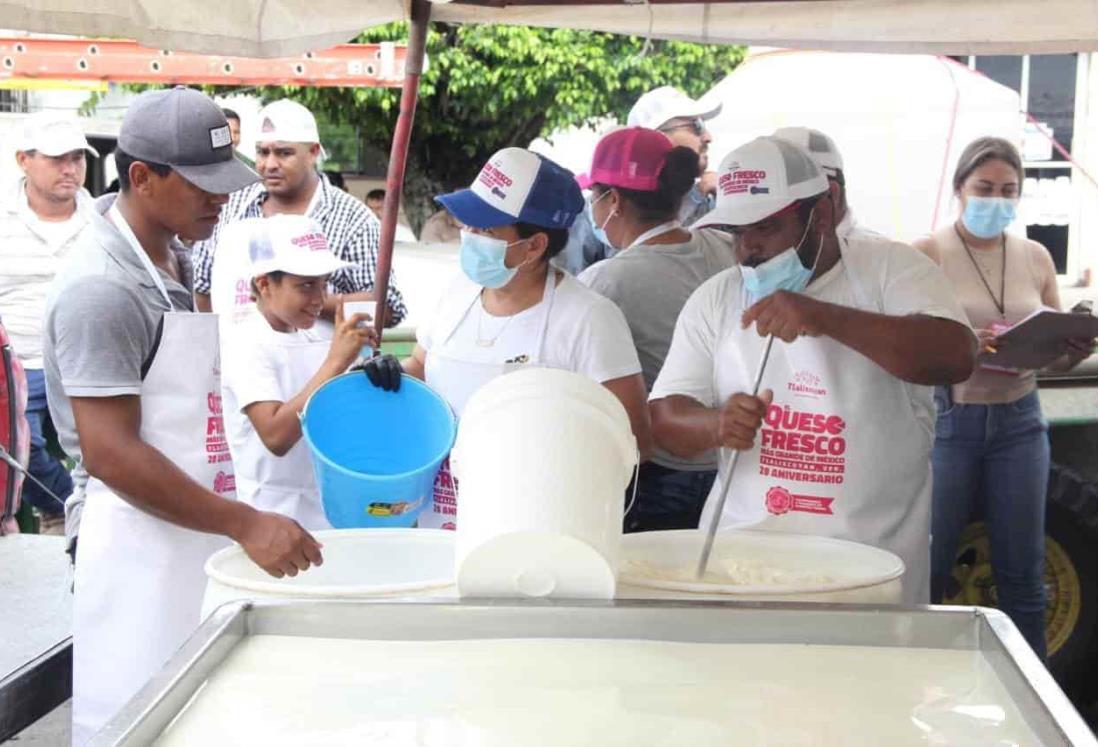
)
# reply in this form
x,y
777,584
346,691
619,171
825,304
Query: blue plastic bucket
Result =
x,y
376,453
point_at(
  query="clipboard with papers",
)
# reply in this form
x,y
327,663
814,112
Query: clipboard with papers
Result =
x,y
1039,339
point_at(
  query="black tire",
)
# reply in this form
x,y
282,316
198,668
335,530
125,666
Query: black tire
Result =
x,y
1071,578
1072,525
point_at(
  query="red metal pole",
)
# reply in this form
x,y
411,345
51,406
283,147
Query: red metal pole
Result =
x,y
398,155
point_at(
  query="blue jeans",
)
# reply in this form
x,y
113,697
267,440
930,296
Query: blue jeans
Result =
x,y
43,465
668,498
993,460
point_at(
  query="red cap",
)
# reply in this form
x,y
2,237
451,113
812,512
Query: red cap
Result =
x,y
631,158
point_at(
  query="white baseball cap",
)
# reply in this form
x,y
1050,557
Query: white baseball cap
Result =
x,y
761,178
53,133
289,243
286,121
820,147
659,106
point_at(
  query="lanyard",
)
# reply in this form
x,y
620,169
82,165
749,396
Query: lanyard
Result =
x,y
143,256
1000,303
652,233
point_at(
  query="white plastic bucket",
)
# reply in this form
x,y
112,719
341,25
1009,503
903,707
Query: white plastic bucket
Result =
x,y
542,459
358,564
806,568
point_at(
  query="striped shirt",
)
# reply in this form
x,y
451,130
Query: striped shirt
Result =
x,y
353,232
31,253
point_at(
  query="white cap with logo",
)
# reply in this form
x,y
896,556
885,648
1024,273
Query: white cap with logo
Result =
x,y
820,147
761,178
53,133
289,243
660,105
286,121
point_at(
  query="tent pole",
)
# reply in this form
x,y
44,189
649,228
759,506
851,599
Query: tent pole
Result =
x,y
398,155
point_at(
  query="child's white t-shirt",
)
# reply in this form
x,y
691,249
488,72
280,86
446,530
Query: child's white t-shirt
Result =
x,y
259,364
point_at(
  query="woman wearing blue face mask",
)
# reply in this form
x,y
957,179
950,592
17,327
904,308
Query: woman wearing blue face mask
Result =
x,y
991,453
638,180
510,308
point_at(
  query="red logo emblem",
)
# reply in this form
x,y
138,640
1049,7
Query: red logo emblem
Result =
x,y
778,501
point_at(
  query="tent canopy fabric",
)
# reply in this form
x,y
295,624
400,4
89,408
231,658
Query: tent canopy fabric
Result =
x,y
276,28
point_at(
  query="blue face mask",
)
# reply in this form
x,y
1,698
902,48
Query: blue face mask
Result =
x,y
784,271
596,229
482,259
987,217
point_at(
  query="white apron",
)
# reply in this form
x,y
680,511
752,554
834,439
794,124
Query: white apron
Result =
x,y
841,452
292,490
139,580
450,373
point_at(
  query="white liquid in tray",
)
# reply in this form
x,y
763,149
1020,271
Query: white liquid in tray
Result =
x,y
313,691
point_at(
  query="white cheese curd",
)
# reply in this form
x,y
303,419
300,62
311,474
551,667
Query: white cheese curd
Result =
x,y
275,690
730,573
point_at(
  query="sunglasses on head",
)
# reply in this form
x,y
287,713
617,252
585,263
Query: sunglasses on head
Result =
x,y
696,124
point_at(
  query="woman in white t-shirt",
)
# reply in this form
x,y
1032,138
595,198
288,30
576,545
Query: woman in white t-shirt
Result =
x,y
273,361
638,180
991,451
510,308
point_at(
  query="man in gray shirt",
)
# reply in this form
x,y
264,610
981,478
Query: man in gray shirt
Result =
x,y
134,387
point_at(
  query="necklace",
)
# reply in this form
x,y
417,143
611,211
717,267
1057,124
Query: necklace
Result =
x,y
489,342
1000,302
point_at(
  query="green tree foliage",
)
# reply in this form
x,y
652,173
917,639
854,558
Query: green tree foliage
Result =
x,y
489,87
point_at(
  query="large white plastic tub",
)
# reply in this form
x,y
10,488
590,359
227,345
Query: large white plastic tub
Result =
x,y
543,458
358,564
858,574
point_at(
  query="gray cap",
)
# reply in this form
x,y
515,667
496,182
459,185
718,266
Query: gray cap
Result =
x,y
183,128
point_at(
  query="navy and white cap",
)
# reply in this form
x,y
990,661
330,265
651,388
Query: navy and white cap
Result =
x,y
183,128
517,186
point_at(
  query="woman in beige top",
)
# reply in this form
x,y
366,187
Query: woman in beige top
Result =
x,y
991,453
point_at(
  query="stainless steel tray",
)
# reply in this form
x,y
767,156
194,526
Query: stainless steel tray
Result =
x,y
1046,709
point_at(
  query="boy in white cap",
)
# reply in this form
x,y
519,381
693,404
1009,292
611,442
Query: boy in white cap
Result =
x,y
43,214
287,151
864,328
275,361
823,150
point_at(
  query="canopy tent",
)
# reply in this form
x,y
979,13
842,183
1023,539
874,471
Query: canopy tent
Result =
x,y
270,28
277,28
900,143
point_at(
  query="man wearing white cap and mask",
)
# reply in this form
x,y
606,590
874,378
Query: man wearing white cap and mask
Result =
x,y
44,213
838,444
287,151
823,150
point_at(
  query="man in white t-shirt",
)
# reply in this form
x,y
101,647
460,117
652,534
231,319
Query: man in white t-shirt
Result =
x,y
44,213
863,331
274,361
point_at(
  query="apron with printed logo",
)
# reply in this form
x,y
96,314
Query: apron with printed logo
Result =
x,y
841,452
449,372
139,580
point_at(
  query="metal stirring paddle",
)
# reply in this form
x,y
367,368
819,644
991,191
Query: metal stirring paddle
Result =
x,y
715,519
